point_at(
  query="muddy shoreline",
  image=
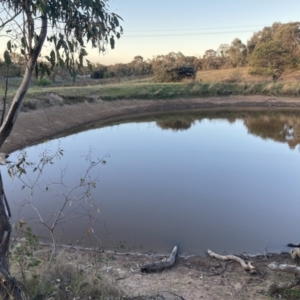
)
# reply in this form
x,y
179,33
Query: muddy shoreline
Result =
x,y
35,126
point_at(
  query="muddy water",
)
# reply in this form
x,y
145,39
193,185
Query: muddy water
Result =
x,y
228,182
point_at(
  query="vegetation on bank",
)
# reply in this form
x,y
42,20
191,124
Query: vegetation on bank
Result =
x,y
64,278
268,64
206,84
272,51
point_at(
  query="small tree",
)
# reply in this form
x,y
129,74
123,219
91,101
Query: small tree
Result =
x,y
237,53
99,72
172,67
68,26
210,60
269,58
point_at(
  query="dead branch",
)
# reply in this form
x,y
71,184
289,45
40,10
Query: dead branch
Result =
x,y
281,286
284,268
160,265
218,272
293,245
247,267
295,253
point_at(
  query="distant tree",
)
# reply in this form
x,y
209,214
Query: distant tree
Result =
x,y
172,67
237,53
262,36
99,72
275,49
269,58
210,60
140,67
138,59
120,69
222,50
289,36
198,63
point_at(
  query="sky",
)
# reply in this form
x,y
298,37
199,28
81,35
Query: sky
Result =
x,y
157,27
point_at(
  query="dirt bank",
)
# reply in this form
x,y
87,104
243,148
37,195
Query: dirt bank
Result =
x,y
198,277
46,122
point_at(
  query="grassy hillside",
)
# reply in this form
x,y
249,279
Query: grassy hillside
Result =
x,y
207,84
242,75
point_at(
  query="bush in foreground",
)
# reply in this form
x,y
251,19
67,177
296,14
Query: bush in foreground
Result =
x,y
62,279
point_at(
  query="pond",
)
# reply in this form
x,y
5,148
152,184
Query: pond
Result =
x,y
225,181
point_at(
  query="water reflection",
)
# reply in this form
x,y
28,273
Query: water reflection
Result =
x,y
177,124
220,180
280,126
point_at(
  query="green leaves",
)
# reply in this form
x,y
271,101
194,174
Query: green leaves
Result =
x,y
75,24
112,42
9,46
41,69
7,58
51,59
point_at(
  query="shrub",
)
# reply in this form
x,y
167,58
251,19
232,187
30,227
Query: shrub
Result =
x,y
99,73
43,81
29,104
235,76
167,73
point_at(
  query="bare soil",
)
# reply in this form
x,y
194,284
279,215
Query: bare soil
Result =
x,y
197,277
190,278
43,123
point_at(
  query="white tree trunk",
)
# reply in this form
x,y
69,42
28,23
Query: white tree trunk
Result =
x,y
17,102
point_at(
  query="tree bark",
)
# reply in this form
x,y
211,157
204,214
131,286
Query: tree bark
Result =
x,y
281,286
247,267
9,288
284,268
160,265
17,102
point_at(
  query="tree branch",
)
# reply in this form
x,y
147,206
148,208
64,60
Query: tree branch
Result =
x,y
9,20
247,267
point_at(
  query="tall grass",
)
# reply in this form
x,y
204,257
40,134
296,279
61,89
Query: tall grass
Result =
x,y
63,281
207,84
64,278
163,91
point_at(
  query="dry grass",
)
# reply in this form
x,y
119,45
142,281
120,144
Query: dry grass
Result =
x,y
236,81
67,278
242,74
226,75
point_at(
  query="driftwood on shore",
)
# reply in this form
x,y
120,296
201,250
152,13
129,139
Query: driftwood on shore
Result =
x,y
245,266
281,286
284,268
160,265
295,253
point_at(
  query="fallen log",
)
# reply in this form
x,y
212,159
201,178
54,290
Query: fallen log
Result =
x,y
295,253
160,265
281,286
293,245
245,266
284,268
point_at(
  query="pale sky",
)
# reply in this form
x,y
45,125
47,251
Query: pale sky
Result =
x,y
155,27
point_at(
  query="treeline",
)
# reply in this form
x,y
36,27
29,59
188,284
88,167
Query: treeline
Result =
x,y
270,52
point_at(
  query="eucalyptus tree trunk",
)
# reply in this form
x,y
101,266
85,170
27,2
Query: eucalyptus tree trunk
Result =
x,y
9,288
